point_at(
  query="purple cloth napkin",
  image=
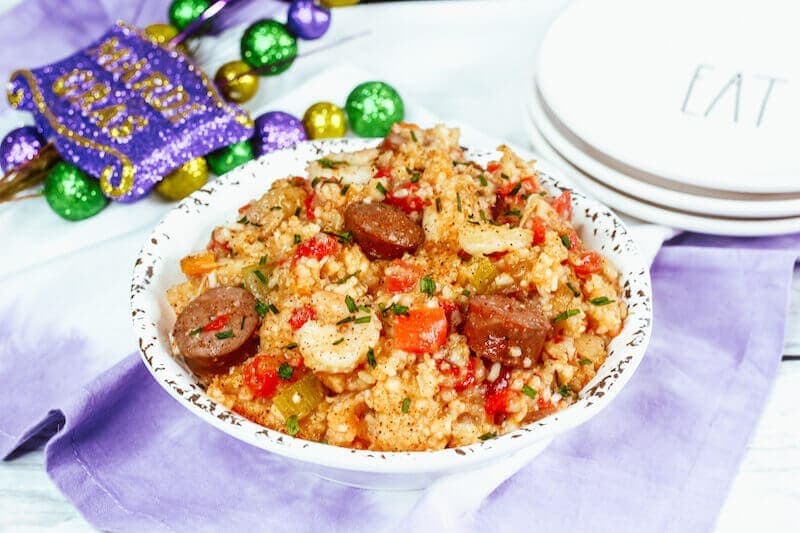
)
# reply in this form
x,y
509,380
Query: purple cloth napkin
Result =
x,y
660,457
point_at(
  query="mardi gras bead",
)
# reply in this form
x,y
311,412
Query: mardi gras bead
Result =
x,y
161,33
373,107
230,157
306,20
325,120
268,43
183,12
19,146
184,180
277,130
236,81
72,194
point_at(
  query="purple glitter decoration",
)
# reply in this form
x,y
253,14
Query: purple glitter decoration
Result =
x,y
276,130
19,146
307,20
128,111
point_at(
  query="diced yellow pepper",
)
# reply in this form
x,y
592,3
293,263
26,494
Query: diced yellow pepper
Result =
x,y
299,398
481,272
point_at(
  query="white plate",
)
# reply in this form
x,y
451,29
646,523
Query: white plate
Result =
x,y
187,227
659,214
652,188
700,92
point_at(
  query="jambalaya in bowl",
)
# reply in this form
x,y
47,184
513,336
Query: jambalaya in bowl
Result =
x,y
400,298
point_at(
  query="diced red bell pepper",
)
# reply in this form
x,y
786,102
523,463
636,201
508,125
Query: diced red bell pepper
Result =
x,y
301,315
574,241
587,263
498,395
218,323
407,203
401,276
309,204
492,167
424,330
383,172
467,379
261,376
319,246
539,230
449,308
563,205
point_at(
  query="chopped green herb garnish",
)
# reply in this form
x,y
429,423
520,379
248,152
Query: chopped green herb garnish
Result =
x,y
504,176
483,215
543,193
564,391
516,189
381,188
364,308
346,319
224,334
465,292
513,213
297,239
530,392
260,275
487,436
292,425
371,358
263,260
414,177
438,205
483,180
343,237
406,405
315,181
340,340
584,361
427,285
363,319
566,314
575,292
565,242
350,303
261,308
195,332
285,371
601,301
345,188
243,220
458,202
330,163
413,135
290,346
273,309
344,279
399,309
275,208
297,212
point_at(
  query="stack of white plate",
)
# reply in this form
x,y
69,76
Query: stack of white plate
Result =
x,y
683,112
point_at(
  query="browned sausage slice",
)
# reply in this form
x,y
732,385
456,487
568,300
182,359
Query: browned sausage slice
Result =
x,y
229,316
382,231
503,329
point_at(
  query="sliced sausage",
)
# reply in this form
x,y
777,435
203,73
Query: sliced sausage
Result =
x,y
382,231
215,330
506,330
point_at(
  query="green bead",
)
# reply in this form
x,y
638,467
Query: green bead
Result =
x,y
372,108
183,12
268,42
230,157
72,194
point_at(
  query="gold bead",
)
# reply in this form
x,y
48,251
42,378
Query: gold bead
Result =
x,y
161,33
184,180
339,3
236,81
325,120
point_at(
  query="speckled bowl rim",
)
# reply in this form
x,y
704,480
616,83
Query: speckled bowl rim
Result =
x,y
598,226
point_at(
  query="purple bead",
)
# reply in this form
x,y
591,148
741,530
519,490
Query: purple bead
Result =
x,y
306,20
276,130
19,146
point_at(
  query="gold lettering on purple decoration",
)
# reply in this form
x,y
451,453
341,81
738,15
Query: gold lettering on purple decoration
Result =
x,y
128,127
108,52
106,115
170,100
71,85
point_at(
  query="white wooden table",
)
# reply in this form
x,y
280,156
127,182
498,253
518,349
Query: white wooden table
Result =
x,y
412,42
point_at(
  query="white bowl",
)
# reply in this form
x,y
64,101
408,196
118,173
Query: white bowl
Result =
x,y
187,227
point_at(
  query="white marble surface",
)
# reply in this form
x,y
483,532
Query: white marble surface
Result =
x,y
766,491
